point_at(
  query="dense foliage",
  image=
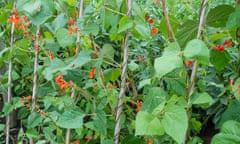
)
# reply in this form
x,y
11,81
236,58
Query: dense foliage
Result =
x,y
77,52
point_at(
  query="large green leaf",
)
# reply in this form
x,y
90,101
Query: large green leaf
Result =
x,y
155,96
59,22
234,19
169,61
124,24
231,113
63,37
220,59
32,6
230,133
175,122
218,16
148,124
100,121
58,65
197,49
91,28
142,31
71,119
34,120
201,98
187,32
236,90
7,108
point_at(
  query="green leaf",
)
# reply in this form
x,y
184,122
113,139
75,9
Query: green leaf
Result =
x,y
59,22
187,32
63,37
175,122
91,28
218,16
108,51
234,19
71,119
236,90
231,113
143,31
201,98
230,133
197,49
220,59
155,97
100,121
133,66
125,23
169,61
32,6
2,127
34,119
32,133
41,16
148,124
7,108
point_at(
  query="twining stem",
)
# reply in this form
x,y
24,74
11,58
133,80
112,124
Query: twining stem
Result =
x,y
171,36
10,65
195,64
123,78
73,92
35,75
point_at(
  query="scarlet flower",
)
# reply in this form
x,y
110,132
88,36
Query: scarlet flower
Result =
x,y
25,33
150,141
238,86
75,142
43,114
24,18
151,21
188,63
92,72
231,82
139,105
95,55
228,43
61,83
29,97
95,86
70,30
101,73
221,48
154,30
215,48
36,46
110,86
72,22
22,99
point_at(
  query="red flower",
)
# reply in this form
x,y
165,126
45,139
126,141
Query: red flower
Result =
x,y
228,43
110,86
43,114
231,82
221,48
139,105
22,99
36,46
150,141
151,21
215,48
154,30
29,97
188,63
95,86
61,83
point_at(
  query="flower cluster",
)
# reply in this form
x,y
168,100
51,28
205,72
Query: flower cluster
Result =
x,y
20,23
75,142
62,84
26,100
92,72
221,48
151,21
188,63
72,26
50,55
